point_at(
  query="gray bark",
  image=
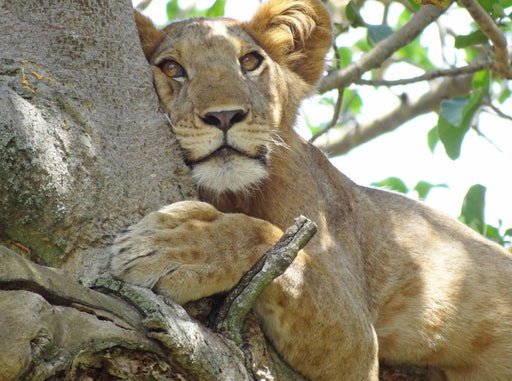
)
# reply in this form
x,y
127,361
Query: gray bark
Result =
x,y
89,152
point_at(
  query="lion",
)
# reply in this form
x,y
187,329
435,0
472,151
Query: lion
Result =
x,y
385,279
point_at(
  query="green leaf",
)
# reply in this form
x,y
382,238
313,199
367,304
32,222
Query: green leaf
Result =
x,y
474,38
345,56
351,100
498,11
452,109
432,139
471,107
377,33
172,9
353,14
505,3
508,232
405,16
392,183
356,103
505,94
455,119
473,206
414,4
482,79
363,45
487,4
451,137
217,9
493,233
423,188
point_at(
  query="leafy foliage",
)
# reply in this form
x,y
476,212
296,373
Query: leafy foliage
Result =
x,y
422,188
472,214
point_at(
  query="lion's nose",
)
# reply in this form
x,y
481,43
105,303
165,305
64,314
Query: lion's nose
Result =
x,y
224,120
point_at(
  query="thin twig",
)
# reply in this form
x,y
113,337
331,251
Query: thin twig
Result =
x,y
334,120
428,76
497,111
382,51
430,101
273,263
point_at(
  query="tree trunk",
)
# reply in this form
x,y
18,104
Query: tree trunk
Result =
x,y
84,150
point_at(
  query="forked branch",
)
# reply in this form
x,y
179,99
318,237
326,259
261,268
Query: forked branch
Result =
x,y
272,264
382,51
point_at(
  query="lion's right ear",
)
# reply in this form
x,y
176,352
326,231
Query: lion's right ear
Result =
x,y
150,37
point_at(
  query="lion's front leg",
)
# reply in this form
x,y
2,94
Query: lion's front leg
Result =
x,y
189,250
316,317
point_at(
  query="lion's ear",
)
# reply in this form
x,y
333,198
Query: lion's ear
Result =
x,y
150,37
296,33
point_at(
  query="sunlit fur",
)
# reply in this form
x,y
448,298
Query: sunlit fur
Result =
x,y
384,279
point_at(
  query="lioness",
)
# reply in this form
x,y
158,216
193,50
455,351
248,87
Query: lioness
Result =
x,y
384,278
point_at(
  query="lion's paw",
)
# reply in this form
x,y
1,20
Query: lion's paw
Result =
x,y
189,250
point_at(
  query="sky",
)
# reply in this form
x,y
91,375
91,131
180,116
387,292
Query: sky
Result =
x,y
404,153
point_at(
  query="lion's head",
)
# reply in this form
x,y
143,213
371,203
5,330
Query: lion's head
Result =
x,y
232,88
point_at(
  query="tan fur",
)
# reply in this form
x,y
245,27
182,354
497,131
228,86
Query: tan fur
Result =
x,y
385,277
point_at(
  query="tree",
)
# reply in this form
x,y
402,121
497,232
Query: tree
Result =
x,y
84,153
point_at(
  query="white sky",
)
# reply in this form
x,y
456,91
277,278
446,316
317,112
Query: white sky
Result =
x,y
404,153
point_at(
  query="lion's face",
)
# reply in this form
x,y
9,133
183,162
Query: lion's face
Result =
x,y
216,84
230,96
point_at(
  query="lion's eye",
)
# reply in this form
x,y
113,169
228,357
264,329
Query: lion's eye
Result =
x,y
251,61
172,69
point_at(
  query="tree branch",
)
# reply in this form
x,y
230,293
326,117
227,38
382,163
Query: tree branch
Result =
x,y
334,120
429,75
382,51
275,262
350,138
491,30
497,111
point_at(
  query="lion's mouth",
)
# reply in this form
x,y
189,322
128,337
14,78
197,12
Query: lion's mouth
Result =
x,y
226,152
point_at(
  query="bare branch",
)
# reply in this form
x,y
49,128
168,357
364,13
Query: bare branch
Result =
x,y
382,51
350,138
490,29
497,111
429,75
275,262
334,120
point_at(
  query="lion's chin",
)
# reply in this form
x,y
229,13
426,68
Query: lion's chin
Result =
x,y
238,174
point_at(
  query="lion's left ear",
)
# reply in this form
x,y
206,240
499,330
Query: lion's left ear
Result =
x,y
150,37
296,34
